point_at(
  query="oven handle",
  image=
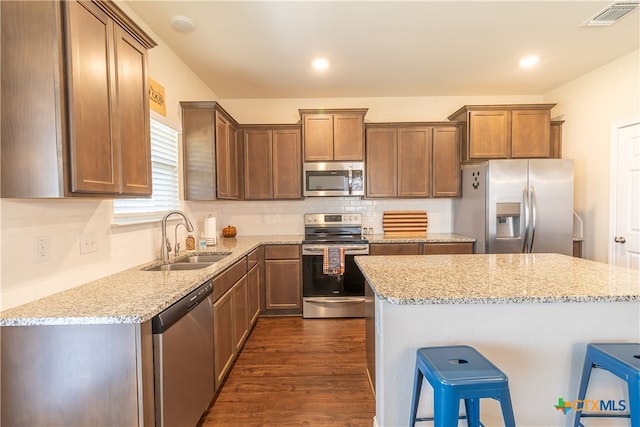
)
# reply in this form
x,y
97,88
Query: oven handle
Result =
x,y
336,300
347,249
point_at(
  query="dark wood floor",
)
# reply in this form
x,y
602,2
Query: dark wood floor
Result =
x,y
294,371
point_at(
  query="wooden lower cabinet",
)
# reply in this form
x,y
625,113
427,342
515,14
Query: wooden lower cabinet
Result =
x,y
253,284
282,279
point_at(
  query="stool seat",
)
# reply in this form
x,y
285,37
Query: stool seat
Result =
x,y
459,373
623,361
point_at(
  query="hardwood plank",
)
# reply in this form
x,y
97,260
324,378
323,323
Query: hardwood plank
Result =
x,y
295,371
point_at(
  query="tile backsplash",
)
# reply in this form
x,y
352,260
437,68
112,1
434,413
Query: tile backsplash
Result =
x,y
64,223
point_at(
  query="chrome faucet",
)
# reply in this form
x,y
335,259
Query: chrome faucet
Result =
x,y
175,237
165,247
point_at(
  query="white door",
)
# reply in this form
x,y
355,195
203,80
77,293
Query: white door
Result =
x,y
625,215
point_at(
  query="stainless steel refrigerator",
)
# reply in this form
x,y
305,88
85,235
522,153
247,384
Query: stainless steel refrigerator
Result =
x,y
515,206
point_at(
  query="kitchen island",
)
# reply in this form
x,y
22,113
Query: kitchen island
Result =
x,y
530,314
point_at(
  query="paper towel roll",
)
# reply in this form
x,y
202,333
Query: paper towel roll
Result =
x,y
210,230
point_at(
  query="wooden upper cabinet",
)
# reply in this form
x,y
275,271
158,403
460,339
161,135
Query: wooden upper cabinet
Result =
x,y
92,60
417,160
505,131
333,135
110,148
446,161
272,162
212,149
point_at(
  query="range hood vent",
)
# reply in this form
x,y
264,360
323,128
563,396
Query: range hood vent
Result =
x,y
612,13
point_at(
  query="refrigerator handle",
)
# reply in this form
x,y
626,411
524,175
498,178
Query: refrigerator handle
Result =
x,y
533,217
525,238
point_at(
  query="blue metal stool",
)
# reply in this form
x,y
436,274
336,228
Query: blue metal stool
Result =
x,y
623,361
459,372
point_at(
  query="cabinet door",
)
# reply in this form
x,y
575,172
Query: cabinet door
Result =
x,y
287,165
258,182
93,134
224,349
414,162
318,137
530,133
348,137
222,156
489,133
446,162
253,283
283,288
382,162
240,298
555,139
198,136
134,121
234,163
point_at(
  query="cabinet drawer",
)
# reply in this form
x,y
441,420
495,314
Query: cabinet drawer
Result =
x,y
253,258
394,249
225,281
448,248
282,252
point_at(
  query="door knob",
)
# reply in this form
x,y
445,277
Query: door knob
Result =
x,y
619,239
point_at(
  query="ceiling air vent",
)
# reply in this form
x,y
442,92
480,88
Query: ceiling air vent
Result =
x,y
612,13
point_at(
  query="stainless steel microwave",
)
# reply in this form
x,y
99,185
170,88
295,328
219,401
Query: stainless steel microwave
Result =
x,y
333,179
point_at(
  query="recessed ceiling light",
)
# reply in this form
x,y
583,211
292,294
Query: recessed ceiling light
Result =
x,y
320,64
183,24
529,61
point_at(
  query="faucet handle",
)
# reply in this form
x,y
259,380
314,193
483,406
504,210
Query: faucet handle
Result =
x,y
168,246
177,248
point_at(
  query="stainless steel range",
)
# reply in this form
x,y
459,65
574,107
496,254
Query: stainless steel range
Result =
x,y
332,294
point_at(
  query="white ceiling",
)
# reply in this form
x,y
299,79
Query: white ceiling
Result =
x,y
263,49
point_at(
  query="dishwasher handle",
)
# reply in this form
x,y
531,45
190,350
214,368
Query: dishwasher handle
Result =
x,y
163,321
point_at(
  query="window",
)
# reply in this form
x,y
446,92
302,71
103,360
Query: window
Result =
x,y
164,170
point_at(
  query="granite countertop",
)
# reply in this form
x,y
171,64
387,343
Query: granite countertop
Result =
x,y
415,238
133,295
497,278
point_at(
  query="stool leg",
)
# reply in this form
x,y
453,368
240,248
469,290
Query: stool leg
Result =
x,y
634,402
507,408
584,381
446,408
472,408
417,386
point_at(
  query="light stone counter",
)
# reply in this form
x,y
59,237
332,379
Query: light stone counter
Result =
x,y
531,315
134,295
427,238
498,278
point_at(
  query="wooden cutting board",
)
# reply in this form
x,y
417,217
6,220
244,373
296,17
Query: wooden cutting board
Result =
x,y
405,222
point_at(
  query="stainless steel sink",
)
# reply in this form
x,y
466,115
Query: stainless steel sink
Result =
x,y
202,258
180,266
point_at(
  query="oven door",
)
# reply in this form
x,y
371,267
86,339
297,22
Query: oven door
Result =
x,y
332,296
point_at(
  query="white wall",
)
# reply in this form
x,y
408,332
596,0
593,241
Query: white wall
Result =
x,y
120,247
590,105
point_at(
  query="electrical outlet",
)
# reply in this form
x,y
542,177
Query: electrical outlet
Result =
x,y
88,243
41,249
262,219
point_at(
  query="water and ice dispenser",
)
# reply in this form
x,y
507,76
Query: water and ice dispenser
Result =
x,y
508,220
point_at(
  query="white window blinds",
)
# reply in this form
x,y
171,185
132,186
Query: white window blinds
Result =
x,y
164,169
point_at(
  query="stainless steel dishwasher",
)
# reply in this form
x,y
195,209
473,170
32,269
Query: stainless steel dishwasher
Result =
x,y
183,359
